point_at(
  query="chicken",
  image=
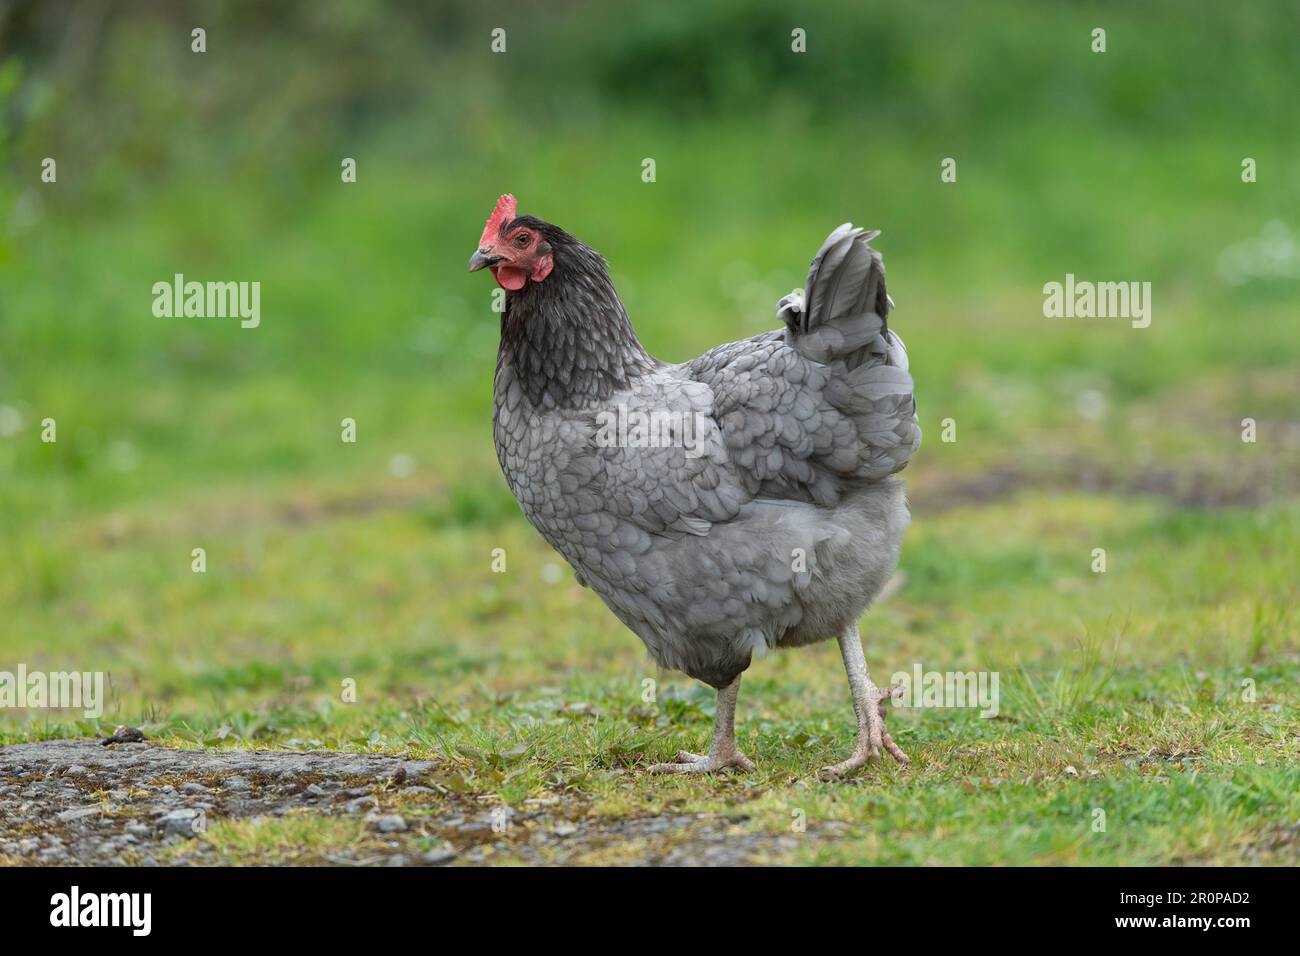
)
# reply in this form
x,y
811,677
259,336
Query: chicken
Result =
x,y
743,501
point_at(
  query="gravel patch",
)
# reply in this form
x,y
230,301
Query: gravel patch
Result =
x,y
76,802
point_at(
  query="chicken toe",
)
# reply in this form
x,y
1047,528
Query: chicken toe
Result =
x,y
869,705
723,755
688,762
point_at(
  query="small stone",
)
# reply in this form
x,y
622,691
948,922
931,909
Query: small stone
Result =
x,y
75,768
235,783
390,823
194,788
359,804
119,796
564,828
397,860
315,790
78,813
179,823
439,857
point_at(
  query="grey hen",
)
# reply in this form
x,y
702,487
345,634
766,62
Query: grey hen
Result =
x,y
739,502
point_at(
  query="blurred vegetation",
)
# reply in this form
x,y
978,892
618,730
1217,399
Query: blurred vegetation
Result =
x,y
372,559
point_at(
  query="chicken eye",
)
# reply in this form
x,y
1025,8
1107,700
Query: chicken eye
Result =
x,y
522,240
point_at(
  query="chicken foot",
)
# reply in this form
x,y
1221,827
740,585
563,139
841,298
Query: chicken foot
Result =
x,y
869,705
723,753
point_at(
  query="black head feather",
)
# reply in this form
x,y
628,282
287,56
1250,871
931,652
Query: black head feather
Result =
x,y
568,338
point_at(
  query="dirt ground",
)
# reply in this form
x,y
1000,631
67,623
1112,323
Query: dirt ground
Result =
x,y
78,802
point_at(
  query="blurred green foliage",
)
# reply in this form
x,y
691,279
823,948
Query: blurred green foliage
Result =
x,y
225,164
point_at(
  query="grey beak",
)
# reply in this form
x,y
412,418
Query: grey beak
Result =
x,y
480,260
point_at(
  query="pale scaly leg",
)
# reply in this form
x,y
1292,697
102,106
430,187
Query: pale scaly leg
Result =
x,y
723,754
869,705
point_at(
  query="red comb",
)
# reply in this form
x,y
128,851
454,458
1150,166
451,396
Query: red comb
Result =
x,y
502,213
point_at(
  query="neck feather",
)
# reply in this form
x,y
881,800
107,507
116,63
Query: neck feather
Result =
x,y
567,339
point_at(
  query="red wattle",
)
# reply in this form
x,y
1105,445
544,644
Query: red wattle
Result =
x,y
508,277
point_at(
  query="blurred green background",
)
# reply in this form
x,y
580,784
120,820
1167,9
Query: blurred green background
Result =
x,y
372,560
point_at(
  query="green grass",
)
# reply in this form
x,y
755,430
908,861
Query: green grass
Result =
x,y
520,688
1121,692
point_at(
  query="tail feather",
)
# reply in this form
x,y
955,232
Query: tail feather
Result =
x,y
840,320
845,279
844,307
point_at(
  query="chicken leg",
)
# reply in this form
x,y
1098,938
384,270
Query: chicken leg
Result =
x,y
869,705
723,754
